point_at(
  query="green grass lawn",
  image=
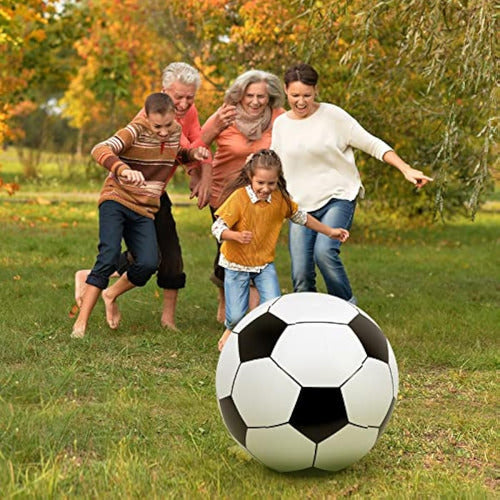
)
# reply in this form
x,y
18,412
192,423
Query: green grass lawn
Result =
x,y
132,413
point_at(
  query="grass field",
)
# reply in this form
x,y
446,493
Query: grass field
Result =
x,y
132,413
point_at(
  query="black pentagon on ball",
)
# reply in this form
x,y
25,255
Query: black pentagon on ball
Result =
x,y
233,420
258,338
319,412
371,337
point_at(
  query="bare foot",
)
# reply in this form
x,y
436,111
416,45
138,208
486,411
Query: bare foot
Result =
x,y
113,315
78,331
223,339
80,285
167,323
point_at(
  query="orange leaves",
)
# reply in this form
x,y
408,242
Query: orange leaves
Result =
x,y
38,35
22,25
263,22
10,187
23,108
119,64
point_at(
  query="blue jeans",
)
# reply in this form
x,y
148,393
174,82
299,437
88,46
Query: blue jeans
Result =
x,y
237,291
309,248
116,221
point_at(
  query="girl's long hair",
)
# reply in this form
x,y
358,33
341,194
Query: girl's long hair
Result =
x,y
264,158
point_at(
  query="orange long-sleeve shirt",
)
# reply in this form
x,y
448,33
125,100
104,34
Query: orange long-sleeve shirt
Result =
x,y
232,150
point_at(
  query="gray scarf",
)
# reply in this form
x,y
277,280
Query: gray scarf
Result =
x,y
252,127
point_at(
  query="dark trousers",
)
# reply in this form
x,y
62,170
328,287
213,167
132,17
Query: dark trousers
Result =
x,y
170,273
217,276
116,222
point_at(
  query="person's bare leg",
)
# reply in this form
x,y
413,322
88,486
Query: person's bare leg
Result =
x,y
110,295
81,285
169,306
221,308
223,339
87,305
254,299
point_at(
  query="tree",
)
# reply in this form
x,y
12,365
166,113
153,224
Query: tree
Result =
x,y
419,74
432,64
39,62
20,25
120,63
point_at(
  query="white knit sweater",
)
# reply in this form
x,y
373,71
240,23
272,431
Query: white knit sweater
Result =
x,y
318,157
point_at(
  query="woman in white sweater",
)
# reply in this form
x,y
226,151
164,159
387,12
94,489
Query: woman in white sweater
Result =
x,y
315,142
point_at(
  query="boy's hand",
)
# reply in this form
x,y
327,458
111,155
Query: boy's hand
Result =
x,y
134,177
339,234
244,237
200,153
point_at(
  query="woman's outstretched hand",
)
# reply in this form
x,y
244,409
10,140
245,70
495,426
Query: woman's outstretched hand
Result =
x,y
416,177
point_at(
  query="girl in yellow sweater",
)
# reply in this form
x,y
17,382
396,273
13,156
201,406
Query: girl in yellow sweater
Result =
x,y
248,224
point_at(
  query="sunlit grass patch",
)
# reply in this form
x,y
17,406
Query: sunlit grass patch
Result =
x,y
132,413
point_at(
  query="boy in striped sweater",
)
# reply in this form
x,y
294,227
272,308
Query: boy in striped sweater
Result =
x,y
140,159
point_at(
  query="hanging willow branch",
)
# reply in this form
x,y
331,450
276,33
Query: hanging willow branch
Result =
x,y
450,44
425,69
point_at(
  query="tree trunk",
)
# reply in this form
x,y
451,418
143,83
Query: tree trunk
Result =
x,y
30,160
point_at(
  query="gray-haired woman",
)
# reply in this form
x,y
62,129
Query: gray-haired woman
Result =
x,y
251,105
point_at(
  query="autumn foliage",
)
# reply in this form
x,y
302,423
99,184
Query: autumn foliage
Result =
x,y
419,74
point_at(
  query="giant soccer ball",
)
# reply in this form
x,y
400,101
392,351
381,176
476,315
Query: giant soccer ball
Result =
x,y
307,380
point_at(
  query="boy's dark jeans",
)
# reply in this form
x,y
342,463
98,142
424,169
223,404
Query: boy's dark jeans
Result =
x,y
116,222
170,273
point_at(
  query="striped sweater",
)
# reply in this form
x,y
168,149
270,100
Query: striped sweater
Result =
x,y
139,148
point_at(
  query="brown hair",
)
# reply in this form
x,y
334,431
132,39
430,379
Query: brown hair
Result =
x,y
159,103
301,72
266,159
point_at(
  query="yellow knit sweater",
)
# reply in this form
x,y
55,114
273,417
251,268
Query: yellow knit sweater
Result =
x,y
264,219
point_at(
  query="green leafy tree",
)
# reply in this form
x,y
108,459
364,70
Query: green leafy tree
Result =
x,y
422,76
43,51
419,74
